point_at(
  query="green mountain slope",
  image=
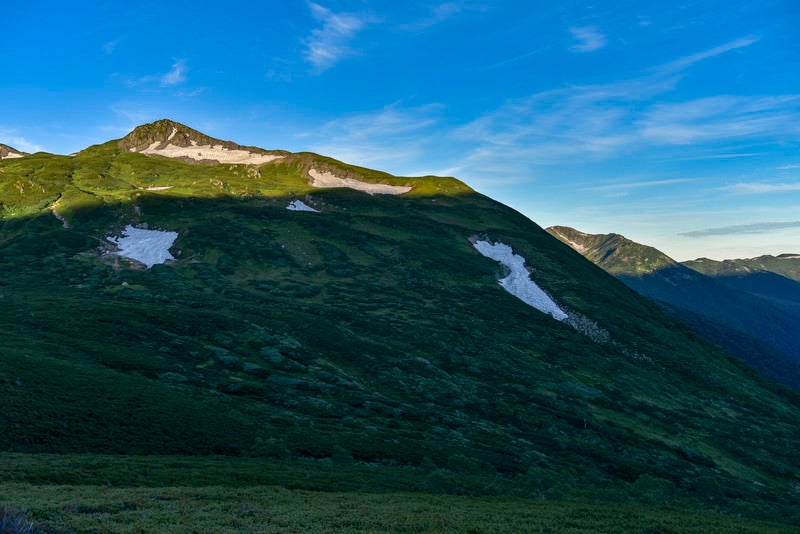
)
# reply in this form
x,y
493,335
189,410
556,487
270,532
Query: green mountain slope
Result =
x,y
615,253
372,331
756,329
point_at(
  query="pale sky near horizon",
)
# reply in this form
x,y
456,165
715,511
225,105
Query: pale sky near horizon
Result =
x,y
676,124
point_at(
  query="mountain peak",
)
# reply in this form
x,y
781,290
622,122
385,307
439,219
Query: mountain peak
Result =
x,y
164,132
613,252
172,139
7,152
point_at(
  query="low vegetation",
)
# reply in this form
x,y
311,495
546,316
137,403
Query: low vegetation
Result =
x,y
349,364
101,493
275,509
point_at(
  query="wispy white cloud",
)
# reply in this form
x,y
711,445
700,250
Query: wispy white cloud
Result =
x,y
733,155
330,43
762,187
10,138
190,93
640,184
752,228
687,61
390,138
721,118
788,167
552,125
514,59
587,39
436,15
110,46
176,75
131,114
626,117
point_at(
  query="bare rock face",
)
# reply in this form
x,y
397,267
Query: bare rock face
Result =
x,y
7,152
174,140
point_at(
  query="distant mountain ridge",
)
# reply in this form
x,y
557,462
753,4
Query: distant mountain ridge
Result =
x,y
774,278
786,265
615,253
723,302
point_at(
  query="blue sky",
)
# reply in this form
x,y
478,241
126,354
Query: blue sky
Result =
x,y
674,123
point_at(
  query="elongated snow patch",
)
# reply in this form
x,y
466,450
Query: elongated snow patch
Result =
x,y
327,179
208,152
147,246
519,282
299,205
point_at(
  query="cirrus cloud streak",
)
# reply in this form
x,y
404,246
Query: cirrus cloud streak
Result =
x,y
752,228
327,45
761,187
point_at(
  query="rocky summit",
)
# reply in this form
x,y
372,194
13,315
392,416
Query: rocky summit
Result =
x,y
7,152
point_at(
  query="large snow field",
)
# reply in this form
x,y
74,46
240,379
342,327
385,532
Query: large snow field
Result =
x,y
327,179
208,152
147,246
299,205
519,282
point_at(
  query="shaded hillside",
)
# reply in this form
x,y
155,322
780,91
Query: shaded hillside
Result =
x,y
372,331
786,265
764,358
775,278
727,307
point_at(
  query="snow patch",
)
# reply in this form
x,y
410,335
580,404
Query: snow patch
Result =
x,y
209,152
299,205
146,246
327,179
519,282
12,155
158,188
61,218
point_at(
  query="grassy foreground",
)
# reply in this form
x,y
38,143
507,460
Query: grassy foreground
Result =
x,y
117,493
60,508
